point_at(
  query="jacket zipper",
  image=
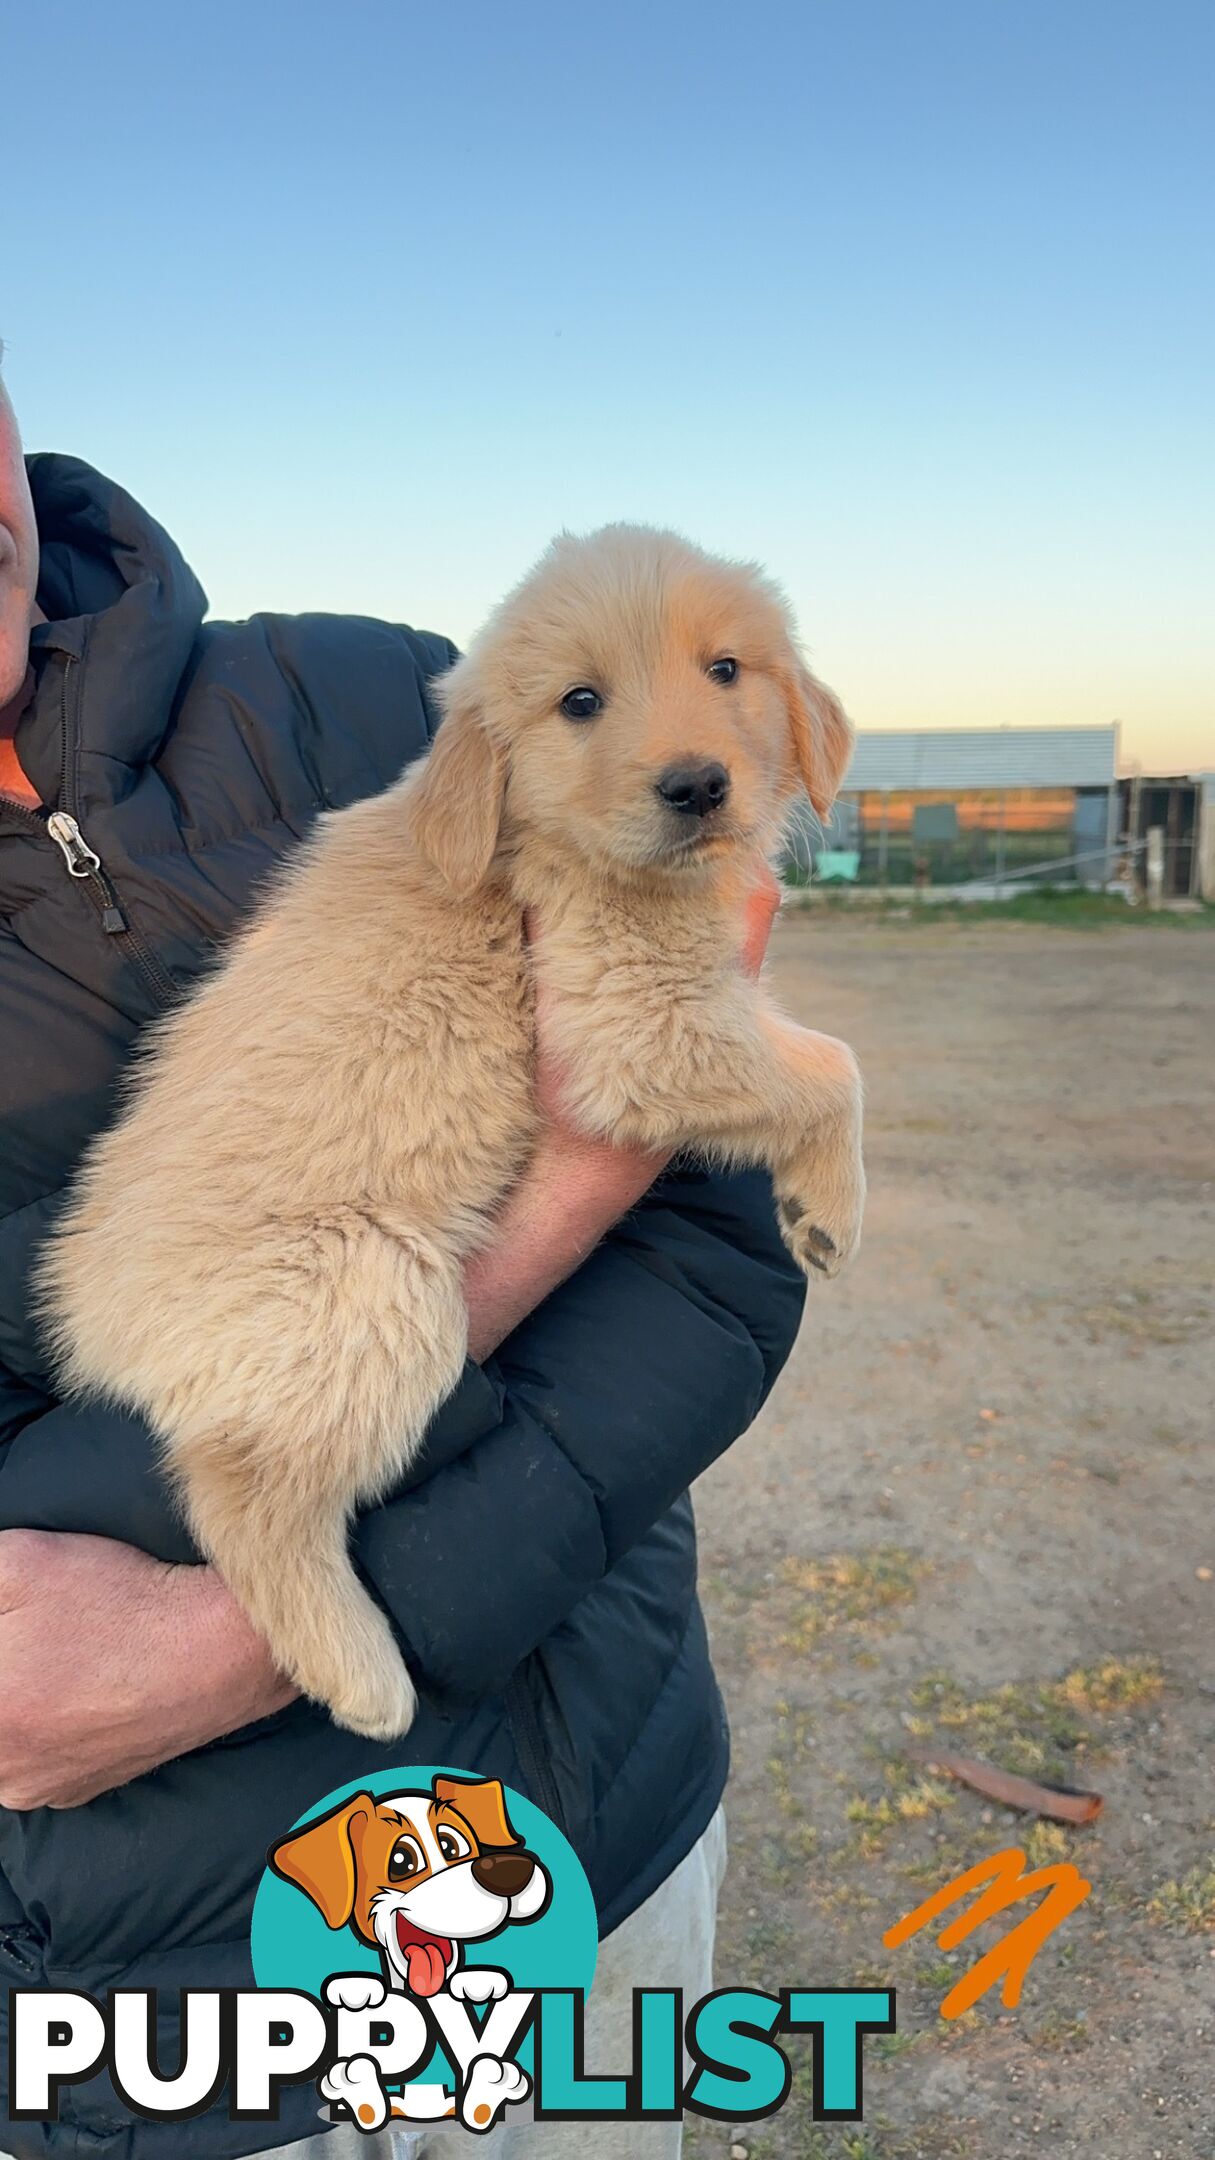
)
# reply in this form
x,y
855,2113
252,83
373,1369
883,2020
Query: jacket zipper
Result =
x,y
529,1740
84,863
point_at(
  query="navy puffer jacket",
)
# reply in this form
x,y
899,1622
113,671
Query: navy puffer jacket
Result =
x,y
540,1565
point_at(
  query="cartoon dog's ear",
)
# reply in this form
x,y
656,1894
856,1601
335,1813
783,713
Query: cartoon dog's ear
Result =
x,y
320,1859
454,805
482,1803
821,732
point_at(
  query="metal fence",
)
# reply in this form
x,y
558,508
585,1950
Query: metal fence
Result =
x,y
985,842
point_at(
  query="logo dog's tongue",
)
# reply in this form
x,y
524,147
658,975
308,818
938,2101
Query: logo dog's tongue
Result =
x,y
426,1957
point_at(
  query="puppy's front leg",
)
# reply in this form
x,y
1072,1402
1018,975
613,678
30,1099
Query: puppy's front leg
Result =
x,y
818,1168
729,1074
799,1102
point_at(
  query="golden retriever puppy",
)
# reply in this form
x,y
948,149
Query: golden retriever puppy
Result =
x,y
264,1254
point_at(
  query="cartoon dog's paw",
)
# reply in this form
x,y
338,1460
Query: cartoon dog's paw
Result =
x,y
356,2084
355,1991
479,1984
490,2086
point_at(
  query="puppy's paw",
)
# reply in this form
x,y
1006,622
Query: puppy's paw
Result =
x,y
356,2086
820,1212
355,1991
490,2086
479,1984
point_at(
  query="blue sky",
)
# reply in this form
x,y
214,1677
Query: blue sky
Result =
x,y
911,300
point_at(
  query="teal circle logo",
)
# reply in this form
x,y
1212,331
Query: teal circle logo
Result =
x,y
414,1889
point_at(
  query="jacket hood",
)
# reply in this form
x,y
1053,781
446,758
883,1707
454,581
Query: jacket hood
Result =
x,y
112,583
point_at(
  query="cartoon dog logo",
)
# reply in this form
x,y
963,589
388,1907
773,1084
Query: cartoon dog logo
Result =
x,y
416,1876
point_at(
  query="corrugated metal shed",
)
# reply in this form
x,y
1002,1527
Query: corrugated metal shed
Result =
x,y
955,758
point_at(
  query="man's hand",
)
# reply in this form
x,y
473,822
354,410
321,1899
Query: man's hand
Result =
x,y
111,1663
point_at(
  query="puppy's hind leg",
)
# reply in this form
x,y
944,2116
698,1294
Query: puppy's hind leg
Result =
x,y
346,1368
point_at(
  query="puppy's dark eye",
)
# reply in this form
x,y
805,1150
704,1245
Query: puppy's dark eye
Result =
x,y
722,670
452,1844
581,704
404,1860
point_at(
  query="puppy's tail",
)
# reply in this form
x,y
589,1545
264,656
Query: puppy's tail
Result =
x,y
289,1566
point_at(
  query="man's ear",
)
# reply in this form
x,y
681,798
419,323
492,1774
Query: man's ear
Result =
x,y
482,1803
454,803
821,733
320,1858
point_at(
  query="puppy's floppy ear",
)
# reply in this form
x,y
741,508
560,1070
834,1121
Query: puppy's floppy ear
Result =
x,y
821,732
320,1858
482,1803
454,804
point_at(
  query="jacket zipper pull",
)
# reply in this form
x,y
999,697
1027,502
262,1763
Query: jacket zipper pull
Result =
x,y
83,862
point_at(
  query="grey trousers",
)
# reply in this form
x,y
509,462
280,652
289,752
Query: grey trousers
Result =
x,y
668,1942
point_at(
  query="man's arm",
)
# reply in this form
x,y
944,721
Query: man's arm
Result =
x,y
603,1407
618,1391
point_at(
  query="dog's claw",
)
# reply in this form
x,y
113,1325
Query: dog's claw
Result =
x,y
817,1251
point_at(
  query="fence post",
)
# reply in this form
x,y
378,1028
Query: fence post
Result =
x,y
1111,832
1154,867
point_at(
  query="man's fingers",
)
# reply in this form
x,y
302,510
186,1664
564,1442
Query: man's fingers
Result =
x,y
762,905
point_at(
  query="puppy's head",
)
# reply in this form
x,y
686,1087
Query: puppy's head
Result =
x,y
417,1873
638,702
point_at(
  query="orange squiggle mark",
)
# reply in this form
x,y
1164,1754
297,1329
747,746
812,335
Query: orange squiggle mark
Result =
x,y
1013,1955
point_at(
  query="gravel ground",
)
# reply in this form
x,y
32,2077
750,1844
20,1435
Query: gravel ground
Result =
x,y
978,1510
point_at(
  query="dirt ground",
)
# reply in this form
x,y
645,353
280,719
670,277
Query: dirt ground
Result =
x,y
978,1510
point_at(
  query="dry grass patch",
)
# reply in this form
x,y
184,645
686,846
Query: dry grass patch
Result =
x,y
1038,1729
847,1590
1187,1905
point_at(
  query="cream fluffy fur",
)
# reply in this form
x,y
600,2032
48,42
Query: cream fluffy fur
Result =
x,y
264,1254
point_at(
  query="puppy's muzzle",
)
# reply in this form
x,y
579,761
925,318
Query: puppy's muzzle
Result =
x,y
695,789
504,1873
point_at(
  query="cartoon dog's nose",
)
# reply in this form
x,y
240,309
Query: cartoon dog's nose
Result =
x,y
697,790
505,1873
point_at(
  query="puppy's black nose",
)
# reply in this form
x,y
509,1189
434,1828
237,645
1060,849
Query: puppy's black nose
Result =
x,y
695,789
505,1873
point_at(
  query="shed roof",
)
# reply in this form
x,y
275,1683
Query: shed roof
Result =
x,y
1012,757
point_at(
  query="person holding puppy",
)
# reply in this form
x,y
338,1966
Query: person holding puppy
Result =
x,y
626,1323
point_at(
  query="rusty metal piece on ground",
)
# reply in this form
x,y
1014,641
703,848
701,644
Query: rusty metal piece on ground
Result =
x,y
1059,1803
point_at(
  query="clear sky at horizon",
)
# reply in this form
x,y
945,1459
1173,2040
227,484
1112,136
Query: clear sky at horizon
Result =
x,y
912,299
